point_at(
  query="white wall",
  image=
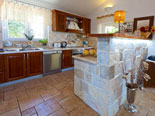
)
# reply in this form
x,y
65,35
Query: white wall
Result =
x,y
133,8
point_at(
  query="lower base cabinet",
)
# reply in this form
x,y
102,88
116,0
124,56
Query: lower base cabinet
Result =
x,y
15,66
1,68
34,63
21,65
67,60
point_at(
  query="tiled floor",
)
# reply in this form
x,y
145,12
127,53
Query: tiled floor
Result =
x,y
48,96
53,95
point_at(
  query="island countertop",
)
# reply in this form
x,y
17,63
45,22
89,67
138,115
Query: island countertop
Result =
x,y
117,35
89,59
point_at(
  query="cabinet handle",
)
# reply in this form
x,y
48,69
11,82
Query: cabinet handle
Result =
x,y
27,56
24,57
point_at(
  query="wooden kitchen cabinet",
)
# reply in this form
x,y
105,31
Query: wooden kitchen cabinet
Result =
x,y
67,59
15,66
151,73
34,63
58,21
86,25
20,65
61,20
1,68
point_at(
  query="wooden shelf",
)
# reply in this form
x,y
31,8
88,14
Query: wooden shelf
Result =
x,y
74,31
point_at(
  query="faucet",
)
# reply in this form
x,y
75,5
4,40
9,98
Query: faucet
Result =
x,y
25,46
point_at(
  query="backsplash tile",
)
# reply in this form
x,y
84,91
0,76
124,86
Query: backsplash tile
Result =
x,y
70,38
92,41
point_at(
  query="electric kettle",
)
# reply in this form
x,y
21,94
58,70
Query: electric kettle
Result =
x,y
63,44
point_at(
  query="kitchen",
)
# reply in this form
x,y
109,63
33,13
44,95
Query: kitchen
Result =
x,y
52,64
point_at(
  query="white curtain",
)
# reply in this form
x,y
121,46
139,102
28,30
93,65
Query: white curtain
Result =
x,y
12,10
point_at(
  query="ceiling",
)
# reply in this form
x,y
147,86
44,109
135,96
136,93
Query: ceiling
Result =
x,y
81,7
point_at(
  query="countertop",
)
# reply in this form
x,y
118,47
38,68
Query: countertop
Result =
x,y
15,50
116,35
89,59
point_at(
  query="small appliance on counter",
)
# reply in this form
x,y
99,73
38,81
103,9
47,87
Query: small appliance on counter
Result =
x,y
63,44
56,45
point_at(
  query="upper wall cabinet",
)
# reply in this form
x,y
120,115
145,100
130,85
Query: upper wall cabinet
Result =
x,y
66,22
58,21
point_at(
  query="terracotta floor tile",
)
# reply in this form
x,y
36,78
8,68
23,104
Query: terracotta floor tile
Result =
x,y
60,97
19,85
14,93
1,96
76,112
67,91
48,85
87,111
32,84
29,101
60,112
61,85
8,88
8,105
13,112
50,93
35,90
29,112
70,103
47,107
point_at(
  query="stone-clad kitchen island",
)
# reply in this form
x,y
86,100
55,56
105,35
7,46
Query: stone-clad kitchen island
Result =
x,y
98,81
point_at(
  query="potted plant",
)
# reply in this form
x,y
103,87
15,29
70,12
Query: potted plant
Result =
x,y
29,38
44,41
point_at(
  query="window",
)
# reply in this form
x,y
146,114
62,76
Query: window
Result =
x,y
108,28
14,30
19,18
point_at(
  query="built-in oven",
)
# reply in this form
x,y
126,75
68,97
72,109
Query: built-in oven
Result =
x,y
51,62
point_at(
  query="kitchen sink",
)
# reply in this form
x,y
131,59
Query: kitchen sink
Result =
x,y
10,50
29,49
17,49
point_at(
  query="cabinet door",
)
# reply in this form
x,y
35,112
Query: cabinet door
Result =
x,y
14,66
1,68
86,26
59,21
34,63
67,59
151,73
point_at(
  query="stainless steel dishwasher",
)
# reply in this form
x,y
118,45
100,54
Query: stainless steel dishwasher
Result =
x,y
51,62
